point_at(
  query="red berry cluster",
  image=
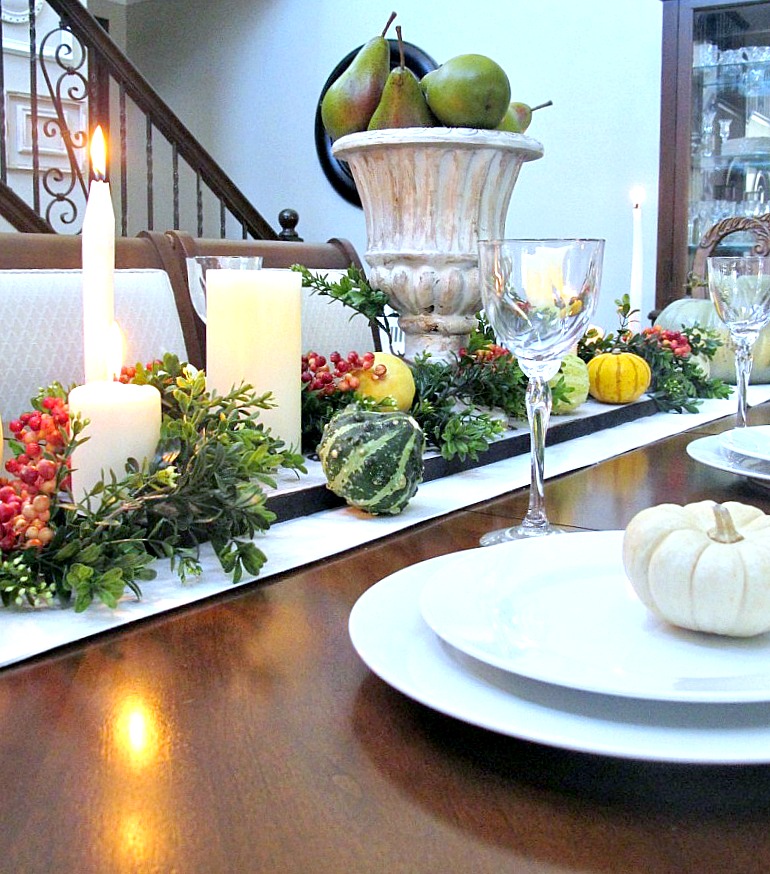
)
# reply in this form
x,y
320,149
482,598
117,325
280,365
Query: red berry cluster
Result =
x,y
676,341
25,500
128,371
487,354
338,373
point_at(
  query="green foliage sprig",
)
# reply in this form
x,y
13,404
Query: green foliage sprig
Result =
x,y
204,484
678,384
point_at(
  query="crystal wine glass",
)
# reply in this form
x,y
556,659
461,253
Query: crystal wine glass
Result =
x,y
740,290
539,296
200,264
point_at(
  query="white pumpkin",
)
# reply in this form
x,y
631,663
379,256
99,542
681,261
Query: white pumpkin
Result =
x,y
702,566
690,311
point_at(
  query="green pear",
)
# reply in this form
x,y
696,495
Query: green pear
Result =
x,y
518,116
402,103
351,99
468,91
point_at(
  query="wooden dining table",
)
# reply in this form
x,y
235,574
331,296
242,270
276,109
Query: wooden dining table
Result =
x,y
245,734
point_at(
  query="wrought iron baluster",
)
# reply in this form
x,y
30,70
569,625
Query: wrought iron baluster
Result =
x,y
3,123
175,173
123,121
199,202
68,59
34,107
222,219
150,177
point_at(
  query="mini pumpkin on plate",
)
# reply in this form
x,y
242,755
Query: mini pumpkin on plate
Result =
x,y
702,566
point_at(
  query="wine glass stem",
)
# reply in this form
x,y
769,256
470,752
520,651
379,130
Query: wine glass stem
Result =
x,y
743,362
538,401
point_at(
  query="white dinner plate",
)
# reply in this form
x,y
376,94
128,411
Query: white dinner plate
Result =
x,y
393,640
564,612
753,441
715,453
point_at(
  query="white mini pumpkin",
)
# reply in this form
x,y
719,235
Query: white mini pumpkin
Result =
x,y
702,566
688,312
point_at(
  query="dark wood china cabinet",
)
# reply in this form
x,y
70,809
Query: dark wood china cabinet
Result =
x,y
715,128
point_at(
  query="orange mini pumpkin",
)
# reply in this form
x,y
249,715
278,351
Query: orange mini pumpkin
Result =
x,y
618,377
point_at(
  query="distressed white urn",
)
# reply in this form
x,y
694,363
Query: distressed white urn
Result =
x,y
429,195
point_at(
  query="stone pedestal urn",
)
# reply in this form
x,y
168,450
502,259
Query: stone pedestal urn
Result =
x,y
429,195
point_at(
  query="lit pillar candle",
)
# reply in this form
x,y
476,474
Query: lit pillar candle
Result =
x,y
635,290
98,251
124,422
254,335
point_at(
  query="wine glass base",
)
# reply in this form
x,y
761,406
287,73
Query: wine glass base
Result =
x,y
520,532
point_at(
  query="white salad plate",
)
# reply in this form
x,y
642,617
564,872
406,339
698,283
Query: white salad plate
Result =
x,y
392,638
753,441
714,452
564,612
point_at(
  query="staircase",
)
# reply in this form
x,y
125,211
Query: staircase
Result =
x,y
61,74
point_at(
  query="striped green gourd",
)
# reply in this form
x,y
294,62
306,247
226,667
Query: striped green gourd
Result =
x,y
374,460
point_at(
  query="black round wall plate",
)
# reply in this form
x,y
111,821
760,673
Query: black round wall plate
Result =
x,y
338,172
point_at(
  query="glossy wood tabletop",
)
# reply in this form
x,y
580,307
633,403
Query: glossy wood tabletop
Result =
x,y
245,735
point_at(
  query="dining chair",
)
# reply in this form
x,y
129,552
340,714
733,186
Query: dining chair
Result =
x,y
327,326
715,239
149,250
42,338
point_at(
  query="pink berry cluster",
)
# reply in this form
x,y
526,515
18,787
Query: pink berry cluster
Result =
x,y
676,341
338,373
25,498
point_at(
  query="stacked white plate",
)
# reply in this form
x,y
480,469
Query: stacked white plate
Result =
x,y
545,640
743,451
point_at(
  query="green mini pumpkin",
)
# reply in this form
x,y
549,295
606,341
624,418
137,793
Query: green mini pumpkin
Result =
x,y
374,460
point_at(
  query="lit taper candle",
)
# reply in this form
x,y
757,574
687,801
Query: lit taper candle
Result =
x,y
98,250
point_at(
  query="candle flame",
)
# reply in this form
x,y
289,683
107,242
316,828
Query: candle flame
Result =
x,y
98,153
637,195
115,350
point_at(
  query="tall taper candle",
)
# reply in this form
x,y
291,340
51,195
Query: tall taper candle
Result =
x,y
98,250
635,290
254,335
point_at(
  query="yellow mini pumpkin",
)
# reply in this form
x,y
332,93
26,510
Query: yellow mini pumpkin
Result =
x,y
702,566
618,377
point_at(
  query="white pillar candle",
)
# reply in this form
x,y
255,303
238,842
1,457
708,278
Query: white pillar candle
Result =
x,y
124,422
98,252
254,335
635,291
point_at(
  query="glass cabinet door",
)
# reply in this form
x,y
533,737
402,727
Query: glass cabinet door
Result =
x,y
715,128
730,116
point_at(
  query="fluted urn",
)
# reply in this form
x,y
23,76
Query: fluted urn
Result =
x,y
429,195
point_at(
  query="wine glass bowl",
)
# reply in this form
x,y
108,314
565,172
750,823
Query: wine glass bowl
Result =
x,y
740,291
539,296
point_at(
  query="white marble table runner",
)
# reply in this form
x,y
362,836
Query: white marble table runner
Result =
x,y
25,632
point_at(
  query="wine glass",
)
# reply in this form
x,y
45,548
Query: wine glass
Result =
x,y
200,264
740,290
539,296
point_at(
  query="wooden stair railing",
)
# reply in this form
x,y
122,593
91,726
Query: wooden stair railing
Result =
x,y
108,80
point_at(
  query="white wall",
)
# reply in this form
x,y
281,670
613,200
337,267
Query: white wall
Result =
x,y
245,76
